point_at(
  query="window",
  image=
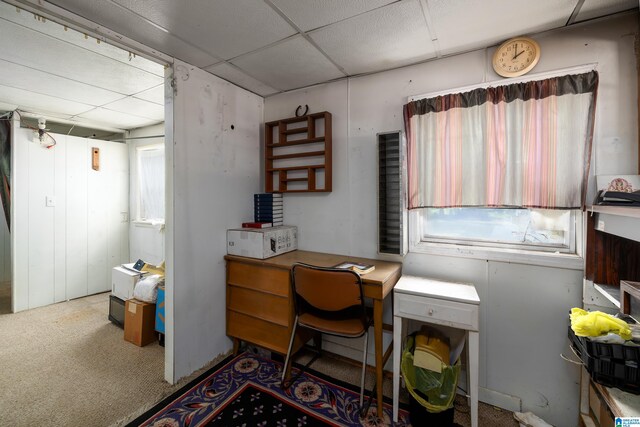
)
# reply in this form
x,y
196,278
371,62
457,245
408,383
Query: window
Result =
x,y
530,229
151,178
501,169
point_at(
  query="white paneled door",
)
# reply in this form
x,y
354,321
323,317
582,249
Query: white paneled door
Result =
x,y
74,219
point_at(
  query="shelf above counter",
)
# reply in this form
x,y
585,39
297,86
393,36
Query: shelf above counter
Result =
x,y
628,211
622,221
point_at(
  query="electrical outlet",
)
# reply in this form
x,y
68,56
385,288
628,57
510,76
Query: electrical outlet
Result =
x,y
600,225
50,201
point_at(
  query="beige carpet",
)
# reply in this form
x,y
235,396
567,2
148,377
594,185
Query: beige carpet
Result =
x,y
66,364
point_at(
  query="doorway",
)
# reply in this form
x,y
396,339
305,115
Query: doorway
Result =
x,y
78,109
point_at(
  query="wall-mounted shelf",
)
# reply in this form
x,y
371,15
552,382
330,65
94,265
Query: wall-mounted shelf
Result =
x,y
298,154
628,211
613,246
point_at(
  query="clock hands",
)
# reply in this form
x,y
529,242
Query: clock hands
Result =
x,y
521,52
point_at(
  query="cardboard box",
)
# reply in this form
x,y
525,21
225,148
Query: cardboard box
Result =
x,y
122,282
139,322
262,243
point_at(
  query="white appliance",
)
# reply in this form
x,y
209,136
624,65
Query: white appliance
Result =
x,y
122,282
262,243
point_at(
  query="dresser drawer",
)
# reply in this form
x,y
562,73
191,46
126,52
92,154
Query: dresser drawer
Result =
x,y
433,310
269,307
257,331
266,279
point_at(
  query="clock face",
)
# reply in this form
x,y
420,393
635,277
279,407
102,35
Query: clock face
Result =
x,y
516,57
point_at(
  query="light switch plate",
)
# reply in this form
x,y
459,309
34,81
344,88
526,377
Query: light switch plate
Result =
x,y
50,201
600,225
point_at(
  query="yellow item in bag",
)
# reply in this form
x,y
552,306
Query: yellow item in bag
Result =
x,y
152,269
595,323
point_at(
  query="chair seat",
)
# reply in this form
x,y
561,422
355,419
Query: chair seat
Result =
x,y
344,327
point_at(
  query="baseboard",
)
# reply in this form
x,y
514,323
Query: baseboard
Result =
x,y
501,400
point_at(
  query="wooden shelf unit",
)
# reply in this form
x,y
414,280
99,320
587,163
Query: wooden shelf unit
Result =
x,y
611,258
281,173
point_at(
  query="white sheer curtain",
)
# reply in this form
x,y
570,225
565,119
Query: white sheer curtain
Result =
x,y
151,183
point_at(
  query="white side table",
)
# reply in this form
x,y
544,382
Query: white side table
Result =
x,y
442,303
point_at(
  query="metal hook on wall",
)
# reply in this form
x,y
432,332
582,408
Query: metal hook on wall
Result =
x,y
304,113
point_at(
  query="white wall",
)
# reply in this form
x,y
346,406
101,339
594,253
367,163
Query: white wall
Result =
x,y
67,250
145,242
216,171
524,308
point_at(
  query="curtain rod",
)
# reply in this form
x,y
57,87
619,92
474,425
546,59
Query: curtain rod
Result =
x,y
503,82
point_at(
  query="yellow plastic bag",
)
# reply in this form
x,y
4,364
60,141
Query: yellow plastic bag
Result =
x,y
595,323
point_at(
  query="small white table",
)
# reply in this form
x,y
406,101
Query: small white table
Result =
x,y
442,303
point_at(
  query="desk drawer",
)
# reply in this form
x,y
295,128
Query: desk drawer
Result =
x,y
269,307
432,310
257,331
267,279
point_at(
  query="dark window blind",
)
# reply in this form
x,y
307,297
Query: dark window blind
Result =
x,y
390,218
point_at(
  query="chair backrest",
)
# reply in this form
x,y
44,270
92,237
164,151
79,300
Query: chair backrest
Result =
x,y
326,289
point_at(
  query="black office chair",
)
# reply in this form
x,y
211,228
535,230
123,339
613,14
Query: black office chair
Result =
x,y
329,301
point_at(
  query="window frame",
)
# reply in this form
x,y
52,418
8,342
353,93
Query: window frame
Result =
x,y
572,261
499,252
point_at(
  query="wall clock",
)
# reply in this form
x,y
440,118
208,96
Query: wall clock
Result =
x,y
516,56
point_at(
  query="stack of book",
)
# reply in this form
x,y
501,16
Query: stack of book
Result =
x,y
268,207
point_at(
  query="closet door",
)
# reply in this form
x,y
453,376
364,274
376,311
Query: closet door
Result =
x,y
77,170
107,199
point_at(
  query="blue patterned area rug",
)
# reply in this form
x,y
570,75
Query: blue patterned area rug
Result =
x,y
244,391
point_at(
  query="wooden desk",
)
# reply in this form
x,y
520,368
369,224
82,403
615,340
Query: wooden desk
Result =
x,y
260,306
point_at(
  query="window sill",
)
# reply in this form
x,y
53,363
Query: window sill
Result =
x,y
517,256
148,224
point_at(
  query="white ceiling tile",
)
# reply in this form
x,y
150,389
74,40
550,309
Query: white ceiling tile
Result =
x,y
310,14
69,35
155,95
21,77
595,8
137,107
226,28
462,25
5,106
237,77
31,49
385,38
116,118
35,102
121,20
291,64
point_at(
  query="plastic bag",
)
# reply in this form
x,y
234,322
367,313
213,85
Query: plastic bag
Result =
x,y
435,391
147,289
596,323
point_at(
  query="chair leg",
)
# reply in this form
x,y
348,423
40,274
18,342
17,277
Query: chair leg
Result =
x,y
364,367
287,360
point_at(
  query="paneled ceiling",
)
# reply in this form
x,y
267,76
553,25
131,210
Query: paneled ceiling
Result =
x,y
265,46
59,73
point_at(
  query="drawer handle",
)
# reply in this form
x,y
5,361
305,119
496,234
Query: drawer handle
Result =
x,y
430,312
